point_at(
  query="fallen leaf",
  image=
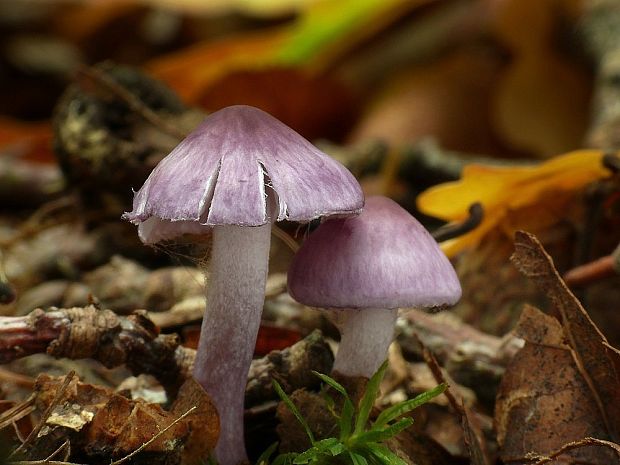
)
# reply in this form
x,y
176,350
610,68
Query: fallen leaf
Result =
x,y
204,422
507,193
321,33
101,423
543,400
597,361
542,99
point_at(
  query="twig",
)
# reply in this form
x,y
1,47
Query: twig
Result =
x,y
450,231
471,430
41,462
611,161
285,237
433,365
131,100
35,431
16,378
33,223
590,272
585,442
154,438
18,412
66,446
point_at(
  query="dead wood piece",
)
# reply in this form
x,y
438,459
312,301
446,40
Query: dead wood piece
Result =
x,y
134,341
291,367
86,332
473,358
110,129
596,360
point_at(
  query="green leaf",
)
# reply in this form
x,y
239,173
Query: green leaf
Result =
x,y
345,421
380,435
328,23
372,391
330,404
331,445
284,459
401,408
384,455
357,459
291,406
264,457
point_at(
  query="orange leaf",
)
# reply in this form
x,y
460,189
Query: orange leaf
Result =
x,y
504,192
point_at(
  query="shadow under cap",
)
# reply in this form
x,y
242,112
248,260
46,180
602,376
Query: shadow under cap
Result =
x,y
220,173
383,258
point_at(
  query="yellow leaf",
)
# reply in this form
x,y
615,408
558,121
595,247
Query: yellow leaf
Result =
x,y
505,192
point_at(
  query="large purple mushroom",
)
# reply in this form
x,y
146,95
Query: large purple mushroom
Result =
x,y
365,268
238,172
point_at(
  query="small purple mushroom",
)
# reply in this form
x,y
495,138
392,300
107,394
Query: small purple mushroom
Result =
x,y
238,172
366,267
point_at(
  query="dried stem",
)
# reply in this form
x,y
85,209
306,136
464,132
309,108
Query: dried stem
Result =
x,y
537,459
450,231
154,438
105,81
35,431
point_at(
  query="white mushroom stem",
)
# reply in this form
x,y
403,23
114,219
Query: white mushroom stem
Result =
x,y
365,336
235,297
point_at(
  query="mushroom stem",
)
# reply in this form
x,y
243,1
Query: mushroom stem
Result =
x,y
366,335
235,297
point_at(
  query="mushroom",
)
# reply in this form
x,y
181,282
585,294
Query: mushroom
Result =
x,y
366,267
238,172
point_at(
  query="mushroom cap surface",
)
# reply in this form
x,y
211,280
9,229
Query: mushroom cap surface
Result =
x,y
383,258
222,172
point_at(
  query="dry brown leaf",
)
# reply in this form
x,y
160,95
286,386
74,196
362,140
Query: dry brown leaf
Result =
x,y
204,422
544,401
596,360
101,423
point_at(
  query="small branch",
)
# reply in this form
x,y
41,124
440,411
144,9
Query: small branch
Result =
x,y
592,272
35,431
102,335
453,230
18,412
537,459
471,430
104,80
154,438
135,342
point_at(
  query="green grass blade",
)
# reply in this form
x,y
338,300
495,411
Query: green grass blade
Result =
x,y
291,406
264,457
357,459
284,459
384,455
345,421
380,435
401,408
372,391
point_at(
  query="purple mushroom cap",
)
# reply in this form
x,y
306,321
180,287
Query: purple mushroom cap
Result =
x,y
383,258
222,172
